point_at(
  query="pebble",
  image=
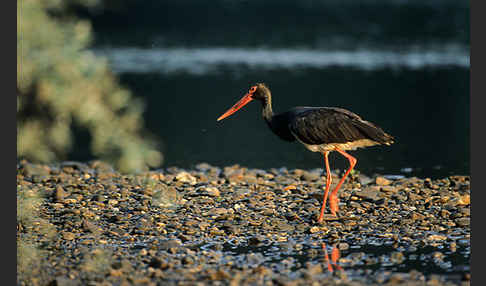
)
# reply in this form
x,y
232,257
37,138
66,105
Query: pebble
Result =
x,y
239,226
89,226
185,177
165,196
310,176
370,193
464,200
211,191
60,194
389,189
463,221
382,181
397,257
216,212
436,237
343,246
68,235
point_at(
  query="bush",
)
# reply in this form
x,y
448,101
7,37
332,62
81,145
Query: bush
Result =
x,y
62,85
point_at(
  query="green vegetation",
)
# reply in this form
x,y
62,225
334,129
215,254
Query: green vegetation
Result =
x,y
62,85
29,263
30,225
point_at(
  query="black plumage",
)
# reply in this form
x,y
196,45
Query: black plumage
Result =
x,y
324,125
321,125
320,129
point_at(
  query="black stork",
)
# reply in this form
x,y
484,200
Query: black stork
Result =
x,y
320,129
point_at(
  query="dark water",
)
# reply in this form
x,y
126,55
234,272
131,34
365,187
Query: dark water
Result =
x,y
373,259
403,65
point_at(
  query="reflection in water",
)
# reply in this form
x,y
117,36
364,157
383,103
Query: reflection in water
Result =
x,y
335,254
363,260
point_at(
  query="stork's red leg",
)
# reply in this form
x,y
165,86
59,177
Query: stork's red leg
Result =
x,y
326,257
333,199
328,185
335,254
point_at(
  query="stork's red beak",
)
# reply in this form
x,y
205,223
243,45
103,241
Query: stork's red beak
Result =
x,y
242,102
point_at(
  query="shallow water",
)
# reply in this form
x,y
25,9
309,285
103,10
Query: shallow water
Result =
x,y
357,259
358,262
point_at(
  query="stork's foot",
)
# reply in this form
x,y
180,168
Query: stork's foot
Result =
x,y
334,204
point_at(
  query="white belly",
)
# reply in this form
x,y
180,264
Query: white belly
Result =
x,y
342,146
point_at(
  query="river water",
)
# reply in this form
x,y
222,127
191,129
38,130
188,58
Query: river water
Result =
x,y
403,65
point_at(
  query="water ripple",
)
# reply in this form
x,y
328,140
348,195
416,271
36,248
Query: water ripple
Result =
x,y
210,60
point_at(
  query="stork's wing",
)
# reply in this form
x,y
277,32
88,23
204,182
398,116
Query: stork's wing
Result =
x,y
325,125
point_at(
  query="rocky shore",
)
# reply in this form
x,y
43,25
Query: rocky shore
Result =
x,y
87,224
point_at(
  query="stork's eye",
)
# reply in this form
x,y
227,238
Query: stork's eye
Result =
x,y
253,89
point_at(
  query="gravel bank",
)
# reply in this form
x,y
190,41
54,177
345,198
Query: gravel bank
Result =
x,y
86,224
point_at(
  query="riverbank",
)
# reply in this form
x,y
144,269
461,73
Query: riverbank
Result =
x,y
82,224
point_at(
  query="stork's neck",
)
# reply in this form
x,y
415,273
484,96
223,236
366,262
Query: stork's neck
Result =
x,y
267,107
277,123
